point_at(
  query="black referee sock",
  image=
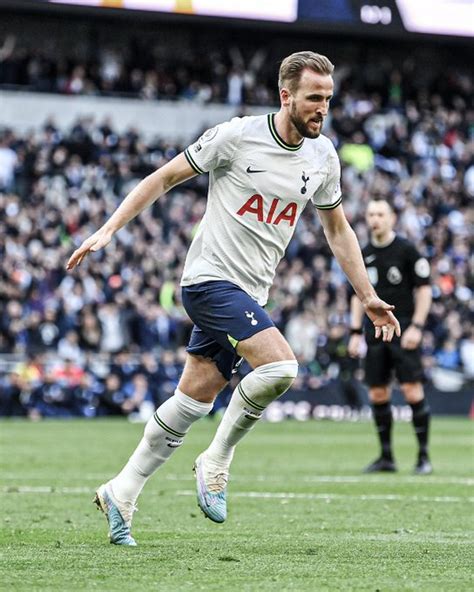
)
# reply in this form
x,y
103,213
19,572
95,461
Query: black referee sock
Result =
x,y
383,420
421,423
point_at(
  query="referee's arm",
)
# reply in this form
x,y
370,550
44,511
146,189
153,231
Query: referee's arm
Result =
x,y
413,334
346,249
423,297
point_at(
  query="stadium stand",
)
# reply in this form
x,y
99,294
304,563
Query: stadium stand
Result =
x,y
110,338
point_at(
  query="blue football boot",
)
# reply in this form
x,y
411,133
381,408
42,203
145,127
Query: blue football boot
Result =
x,y
211,490
119,516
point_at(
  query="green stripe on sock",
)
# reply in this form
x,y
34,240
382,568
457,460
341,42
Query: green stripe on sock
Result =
x,y
247,400
167,428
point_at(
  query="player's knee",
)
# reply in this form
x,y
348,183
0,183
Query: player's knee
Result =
x,y
271,381
379,394
412,391
289,372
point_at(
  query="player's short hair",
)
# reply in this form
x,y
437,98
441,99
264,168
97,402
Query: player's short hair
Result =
x,y
388,201
292,67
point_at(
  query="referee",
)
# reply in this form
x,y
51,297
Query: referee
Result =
x,y
401,276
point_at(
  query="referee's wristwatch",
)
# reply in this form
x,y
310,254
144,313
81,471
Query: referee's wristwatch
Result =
x,y
355,331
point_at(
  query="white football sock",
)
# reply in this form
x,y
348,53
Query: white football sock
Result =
x,y
252,395
164,432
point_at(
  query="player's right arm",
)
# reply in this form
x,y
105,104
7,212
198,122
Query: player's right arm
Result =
x,y
357,318
143,195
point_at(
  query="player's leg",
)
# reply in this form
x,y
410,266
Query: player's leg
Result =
x,y
377,376
275,369
409,371
415,397
242,328
200,383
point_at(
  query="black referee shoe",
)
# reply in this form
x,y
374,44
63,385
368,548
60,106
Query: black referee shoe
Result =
x,y
423,466
381,465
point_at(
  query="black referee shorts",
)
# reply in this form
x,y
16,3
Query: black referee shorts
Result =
x,y
385,359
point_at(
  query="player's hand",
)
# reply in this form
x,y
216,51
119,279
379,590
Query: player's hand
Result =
x,y
411,338
385,323
353,347
98,240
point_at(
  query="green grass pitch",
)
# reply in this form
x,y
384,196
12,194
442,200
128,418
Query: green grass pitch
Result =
x,y
301,515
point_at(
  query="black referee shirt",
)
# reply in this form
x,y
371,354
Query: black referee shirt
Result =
x,y
394,271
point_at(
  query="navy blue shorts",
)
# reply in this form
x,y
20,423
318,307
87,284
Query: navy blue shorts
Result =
x,y
384,358
223,314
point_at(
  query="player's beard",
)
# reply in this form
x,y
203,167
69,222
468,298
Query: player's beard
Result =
x,y
301,126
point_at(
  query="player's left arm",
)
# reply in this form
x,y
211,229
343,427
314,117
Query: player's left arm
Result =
x,y
346,249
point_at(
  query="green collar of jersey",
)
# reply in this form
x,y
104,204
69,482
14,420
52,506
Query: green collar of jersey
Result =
x,y
278,139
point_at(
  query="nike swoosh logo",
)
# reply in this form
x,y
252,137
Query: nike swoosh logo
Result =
x,y
250,170
370,258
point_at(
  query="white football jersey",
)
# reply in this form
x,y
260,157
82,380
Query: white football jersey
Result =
x,y
258,187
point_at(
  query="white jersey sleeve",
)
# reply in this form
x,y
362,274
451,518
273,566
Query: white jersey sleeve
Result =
x,y
328,195
216,147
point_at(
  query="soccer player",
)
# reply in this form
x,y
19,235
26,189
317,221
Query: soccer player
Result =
x,y
402,275
263,171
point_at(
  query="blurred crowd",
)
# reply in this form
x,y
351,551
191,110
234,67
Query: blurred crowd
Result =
x,y
109,338
212,66
139,70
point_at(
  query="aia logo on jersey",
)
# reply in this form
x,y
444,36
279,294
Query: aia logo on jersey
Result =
x,y
254,206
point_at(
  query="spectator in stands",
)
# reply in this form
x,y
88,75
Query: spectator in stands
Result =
x,y
112,397
50,399
8,163
12,387
415,149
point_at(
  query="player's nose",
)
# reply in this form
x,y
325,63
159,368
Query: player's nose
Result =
x,y
322,110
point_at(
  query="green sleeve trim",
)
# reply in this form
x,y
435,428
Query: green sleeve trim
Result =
x,y
189,158
331,206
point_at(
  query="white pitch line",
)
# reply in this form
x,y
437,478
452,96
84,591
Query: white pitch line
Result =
x,y
388,479
259,494
418,480
337,496
45,489
368,479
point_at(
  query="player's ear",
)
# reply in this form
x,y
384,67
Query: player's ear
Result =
x,y
285,96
